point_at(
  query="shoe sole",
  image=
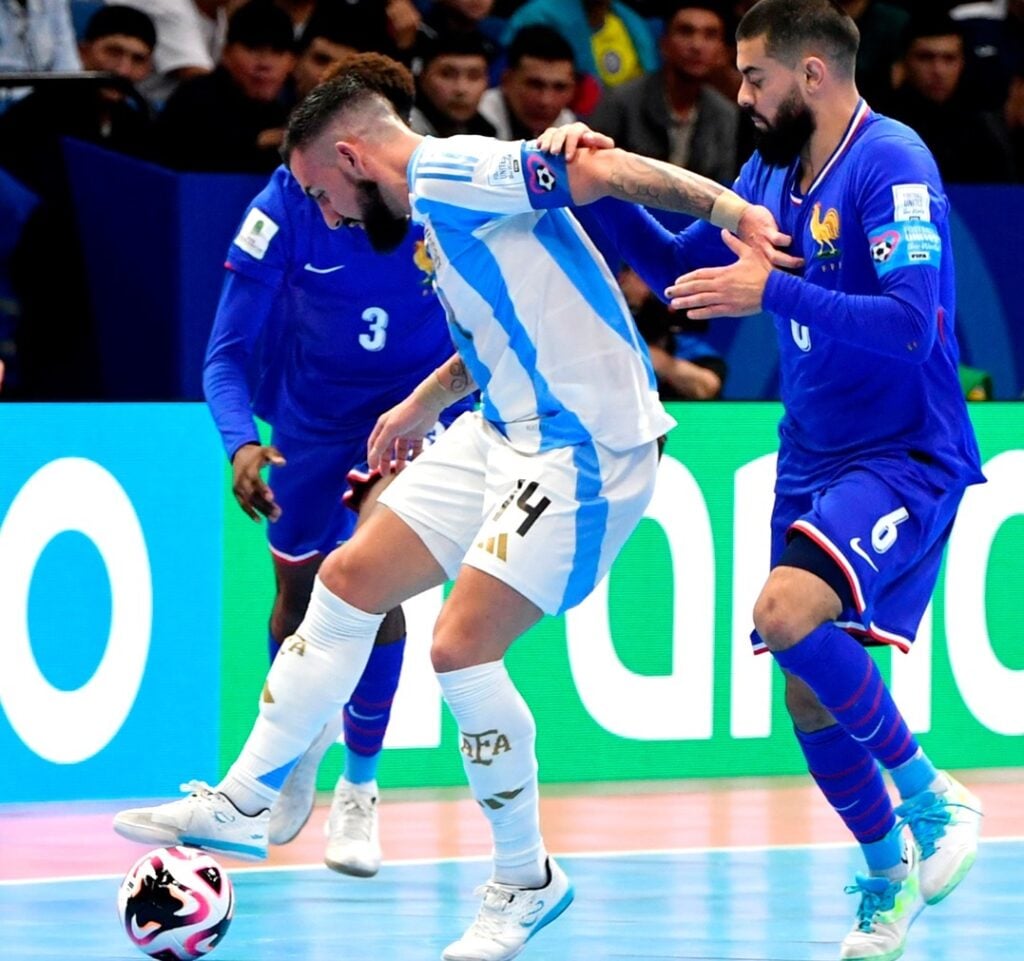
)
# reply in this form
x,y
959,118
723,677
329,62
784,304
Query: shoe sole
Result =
x,y
352,870
961,873
166,837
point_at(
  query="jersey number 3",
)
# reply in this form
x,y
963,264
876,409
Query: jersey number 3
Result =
x,y
375,337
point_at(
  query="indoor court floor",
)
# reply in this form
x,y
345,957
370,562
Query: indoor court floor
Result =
x,y
715,870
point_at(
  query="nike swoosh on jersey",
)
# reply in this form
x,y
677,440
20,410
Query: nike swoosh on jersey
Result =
x,y
855,546
322,270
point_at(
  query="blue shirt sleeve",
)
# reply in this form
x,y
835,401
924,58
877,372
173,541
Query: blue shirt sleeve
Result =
x,y
904,214
630,233
258,260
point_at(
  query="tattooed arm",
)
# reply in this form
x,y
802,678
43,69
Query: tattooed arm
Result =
x,y
398,434
594,174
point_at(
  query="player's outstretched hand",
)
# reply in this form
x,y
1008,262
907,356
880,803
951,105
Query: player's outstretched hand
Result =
x,y
398,435
570,137
758,229
251,492
733,291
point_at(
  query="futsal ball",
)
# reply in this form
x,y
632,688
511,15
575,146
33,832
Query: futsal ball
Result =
x,y
176,903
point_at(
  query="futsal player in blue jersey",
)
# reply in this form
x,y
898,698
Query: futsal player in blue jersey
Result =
x,y
317,334
524,503
876,448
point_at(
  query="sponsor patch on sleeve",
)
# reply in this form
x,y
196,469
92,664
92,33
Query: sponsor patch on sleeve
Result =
x,y
905,244
911,202
504,168
256,233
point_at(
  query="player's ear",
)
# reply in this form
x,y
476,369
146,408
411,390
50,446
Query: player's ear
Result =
x,y
348,156
814,72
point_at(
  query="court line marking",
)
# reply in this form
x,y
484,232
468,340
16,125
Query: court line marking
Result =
x,y
470,858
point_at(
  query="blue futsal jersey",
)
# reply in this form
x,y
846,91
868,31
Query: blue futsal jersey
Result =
x,y
331,335
868,351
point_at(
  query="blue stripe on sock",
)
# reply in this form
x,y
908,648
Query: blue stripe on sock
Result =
x,y
274,779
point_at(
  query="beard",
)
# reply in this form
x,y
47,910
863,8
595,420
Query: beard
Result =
x,y
780,144
384,229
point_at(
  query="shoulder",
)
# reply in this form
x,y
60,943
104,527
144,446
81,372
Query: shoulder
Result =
x,y
890,150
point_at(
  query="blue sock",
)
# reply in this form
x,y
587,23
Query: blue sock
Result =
x,y
915,776
852,783
369,710
847,682
273,646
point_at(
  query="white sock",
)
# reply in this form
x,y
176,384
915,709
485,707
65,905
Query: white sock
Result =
x,y
309,682
498,734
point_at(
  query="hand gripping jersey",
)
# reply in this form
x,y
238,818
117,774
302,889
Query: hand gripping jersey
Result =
x,y
868,350
320,332
533,308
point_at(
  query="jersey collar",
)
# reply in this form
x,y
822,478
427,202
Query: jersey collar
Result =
x,y
860,114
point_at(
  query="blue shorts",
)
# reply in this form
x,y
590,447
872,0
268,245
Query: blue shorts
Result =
x,y
885,528
321,489
309,490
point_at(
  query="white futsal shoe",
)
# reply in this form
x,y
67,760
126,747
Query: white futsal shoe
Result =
x,y
510,916
295,803
205,819
353,836
946,827
887,910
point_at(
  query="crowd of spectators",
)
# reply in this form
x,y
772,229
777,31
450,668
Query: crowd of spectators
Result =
x,y
206,85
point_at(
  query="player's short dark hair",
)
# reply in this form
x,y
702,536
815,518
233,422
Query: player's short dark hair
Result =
x,y
121,21
792,27
354,81
261,24
541,43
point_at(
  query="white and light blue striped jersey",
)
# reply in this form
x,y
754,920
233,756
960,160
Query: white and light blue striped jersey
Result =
x,y
534,310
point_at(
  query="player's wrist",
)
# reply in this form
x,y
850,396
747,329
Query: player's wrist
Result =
x,y
728,209
433,393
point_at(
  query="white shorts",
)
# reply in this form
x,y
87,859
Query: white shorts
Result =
x,y
549,525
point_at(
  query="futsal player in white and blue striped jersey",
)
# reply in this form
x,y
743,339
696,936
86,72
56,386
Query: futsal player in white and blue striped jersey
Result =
x,y
524,503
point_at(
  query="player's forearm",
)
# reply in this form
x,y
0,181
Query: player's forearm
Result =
x,y
444,386
891,324
653,183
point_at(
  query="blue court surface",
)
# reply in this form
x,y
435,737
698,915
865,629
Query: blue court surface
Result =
x,y
765,904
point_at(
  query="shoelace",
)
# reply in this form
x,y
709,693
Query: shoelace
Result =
x,y
874,898
356,816
200,789
493,916
927,816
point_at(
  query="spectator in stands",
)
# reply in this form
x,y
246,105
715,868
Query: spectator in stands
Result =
x,y
970,145
537,86
190,36
36,36
451,82
464,16
881,26
299,12
17,205
994,53
233,119
117,40
612,44
330,34
673,114
687,367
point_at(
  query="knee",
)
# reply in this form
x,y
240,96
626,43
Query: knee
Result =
x,y
344,575
452,648
775,618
